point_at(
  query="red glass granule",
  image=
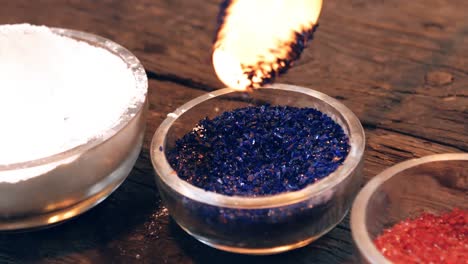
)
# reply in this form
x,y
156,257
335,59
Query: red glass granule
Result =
x,y
427,239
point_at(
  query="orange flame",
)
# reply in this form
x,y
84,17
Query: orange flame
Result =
x,y
259,39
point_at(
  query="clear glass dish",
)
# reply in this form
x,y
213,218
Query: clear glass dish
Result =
x,y
434,184
260,225
61,186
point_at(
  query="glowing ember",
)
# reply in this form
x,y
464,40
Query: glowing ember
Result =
x,y
258,40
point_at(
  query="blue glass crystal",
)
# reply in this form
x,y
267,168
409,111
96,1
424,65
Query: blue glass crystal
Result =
x,y
262,150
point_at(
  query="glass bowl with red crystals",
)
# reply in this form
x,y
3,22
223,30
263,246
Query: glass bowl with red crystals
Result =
x,y
270,217
415,212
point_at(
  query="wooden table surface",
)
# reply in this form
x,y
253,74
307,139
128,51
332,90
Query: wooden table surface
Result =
x,y
401,66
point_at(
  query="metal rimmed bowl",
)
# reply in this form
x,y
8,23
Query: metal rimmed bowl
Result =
x,y
434,184
66,184
258,225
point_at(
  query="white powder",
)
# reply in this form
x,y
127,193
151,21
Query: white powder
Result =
x,y
57,93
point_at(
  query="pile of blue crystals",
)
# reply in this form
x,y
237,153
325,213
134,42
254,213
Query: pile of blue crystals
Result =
x,y
261,150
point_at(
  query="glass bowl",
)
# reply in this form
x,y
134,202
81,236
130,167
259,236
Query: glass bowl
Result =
x,y
434,184
61,186
258,225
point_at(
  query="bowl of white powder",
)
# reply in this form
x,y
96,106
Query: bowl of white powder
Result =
x,y
72,114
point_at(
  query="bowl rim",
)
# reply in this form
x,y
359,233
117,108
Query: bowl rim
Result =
x,y
358,212
165,172
141,83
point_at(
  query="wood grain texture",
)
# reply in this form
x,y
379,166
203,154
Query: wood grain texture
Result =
x,y
401,66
